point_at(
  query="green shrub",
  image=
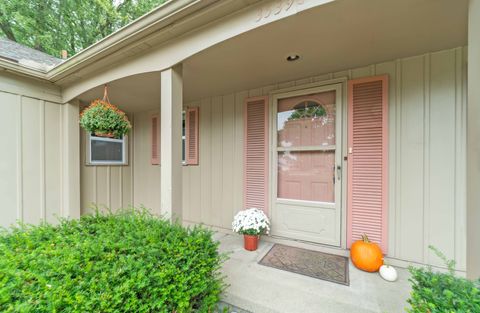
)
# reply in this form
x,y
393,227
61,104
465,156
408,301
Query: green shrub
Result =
x,y
434,292
124,262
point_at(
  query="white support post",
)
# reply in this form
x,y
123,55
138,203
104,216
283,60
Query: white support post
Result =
x,y
70,161
473,142
171,143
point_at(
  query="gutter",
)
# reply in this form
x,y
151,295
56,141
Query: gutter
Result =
x,y
23,70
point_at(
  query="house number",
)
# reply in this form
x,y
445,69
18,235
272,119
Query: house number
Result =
x,y
276,8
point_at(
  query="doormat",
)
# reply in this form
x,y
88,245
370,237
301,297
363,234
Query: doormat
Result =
x,y
330,267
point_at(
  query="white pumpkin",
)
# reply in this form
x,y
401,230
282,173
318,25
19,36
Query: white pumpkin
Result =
x,y
389,273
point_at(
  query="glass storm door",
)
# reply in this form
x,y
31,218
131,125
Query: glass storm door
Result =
x,y
307,161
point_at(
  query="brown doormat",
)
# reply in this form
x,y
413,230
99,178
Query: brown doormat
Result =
x,y
315,264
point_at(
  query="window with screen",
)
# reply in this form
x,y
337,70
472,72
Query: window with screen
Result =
x,y
106,151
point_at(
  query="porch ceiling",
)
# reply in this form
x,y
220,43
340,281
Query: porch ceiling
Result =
x,y
340,35
133,94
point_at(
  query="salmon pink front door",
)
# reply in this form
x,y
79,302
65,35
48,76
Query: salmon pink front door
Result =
x,y
306,204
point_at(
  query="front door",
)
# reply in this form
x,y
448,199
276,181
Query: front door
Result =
x,y
307,165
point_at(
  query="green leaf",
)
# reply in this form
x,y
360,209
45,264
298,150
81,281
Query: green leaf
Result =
x,y
72,25
442,292
129,261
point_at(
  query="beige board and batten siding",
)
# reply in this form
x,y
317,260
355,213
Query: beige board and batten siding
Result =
x,y
32,177
427,101
115,187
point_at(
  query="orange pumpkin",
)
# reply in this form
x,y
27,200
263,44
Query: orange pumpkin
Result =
x,y
366,255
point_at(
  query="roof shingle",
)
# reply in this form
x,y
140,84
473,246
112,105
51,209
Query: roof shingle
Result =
x,y
27,56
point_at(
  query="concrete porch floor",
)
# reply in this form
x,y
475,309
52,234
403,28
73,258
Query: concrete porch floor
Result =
x,y
261,289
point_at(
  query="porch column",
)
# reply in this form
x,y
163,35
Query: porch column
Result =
x,y
473,142
70,160
171,142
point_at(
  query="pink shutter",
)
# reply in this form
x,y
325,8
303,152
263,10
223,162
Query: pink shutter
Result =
x,y
155,144
191,136
256,153
367,159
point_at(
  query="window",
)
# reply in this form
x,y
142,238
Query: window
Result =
x,y
306,147
184,138
190,136
155,137
106,151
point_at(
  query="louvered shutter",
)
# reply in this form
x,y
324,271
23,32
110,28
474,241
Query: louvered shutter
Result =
x,y
155,138
256,153
191,136
367,159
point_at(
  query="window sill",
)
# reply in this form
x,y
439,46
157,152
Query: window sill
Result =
x,y
106,164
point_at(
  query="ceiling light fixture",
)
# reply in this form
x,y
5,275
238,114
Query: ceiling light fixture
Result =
x,y
293,57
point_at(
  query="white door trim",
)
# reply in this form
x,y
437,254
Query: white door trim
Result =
x,y
339,85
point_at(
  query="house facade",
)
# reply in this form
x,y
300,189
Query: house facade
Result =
x,y
337,118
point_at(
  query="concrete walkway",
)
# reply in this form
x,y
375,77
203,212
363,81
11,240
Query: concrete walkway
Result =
x,y
260,289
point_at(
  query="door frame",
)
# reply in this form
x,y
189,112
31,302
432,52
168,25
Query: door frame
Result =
x,y
340,86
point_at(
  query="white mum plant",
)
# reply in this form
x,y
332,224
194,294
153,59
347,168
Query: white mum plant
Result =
x,y
251,222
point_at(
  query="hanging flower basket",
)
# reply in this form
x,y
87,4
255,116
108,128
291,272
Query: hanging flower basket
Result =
x,y
104,119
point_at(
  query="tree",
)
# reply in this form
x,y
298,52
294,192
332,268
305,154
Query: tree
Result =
x,y
313,111
54,25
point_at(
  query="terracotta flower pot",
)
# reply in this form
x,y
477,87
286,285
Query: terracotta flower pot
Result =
x,y
107,135
250,242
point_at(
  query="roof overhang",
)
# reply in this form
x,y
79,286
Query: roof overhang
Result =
x,y
167,21
211,31
342,38
19,69
171,33
158,24
175,42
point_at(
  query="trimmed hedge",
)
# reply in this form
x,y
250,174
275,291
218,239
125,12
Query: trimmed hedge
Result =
x,y
434,292
124,262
